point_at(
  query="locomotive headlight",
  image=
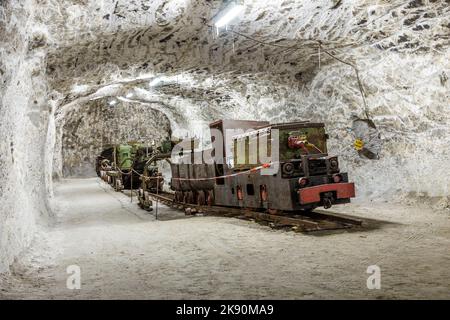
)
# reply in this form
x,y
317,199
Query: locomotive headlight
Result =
x,y
303,182
287,168
337,178
334,163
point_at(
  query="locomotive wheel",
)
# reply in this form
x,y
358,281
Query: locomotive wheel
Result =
x,y
210,199
116,184
201,198
190,197
307,210
178,196
127,183
274,211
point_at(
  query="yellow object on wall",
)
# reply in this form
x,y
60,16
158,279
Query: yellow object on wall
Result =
x,y
358,144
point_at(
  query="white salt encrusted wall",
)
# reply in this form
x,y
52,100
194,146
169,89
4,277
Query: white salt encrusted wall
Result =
x,y
408,99
409,103
24,115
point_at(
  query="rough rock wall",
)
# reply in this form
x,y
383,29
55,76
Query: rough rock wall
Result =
x,y
86,131
24,115
409,105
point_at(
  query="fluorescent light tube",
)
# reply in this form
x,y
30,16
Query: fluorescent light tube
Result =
x,y
154,82
229,15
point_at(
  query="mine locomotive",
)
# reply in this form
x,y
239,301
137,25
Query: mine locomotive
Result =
x,y
302,177
122,165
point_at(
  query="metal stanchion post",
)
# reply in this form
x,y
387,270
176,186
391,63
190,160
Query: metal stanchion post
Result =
x,y
157,199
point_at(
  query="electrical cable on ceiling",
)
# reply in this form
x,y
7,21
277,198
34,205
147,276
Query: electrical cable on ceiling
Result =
x,y
320,45
320,48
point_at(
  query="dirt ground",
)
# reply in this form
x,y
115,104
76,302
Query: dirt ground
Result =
x,y
124,253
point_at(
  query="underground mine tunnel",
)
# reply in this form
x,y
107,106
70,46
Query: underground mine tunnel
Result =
x,y
102,101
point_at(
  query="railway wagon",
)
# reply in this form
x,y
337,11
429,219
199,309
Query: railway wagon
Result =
x,y
192,182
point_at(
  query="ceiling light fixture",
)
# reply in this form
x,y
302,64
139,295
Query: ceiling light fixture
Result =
x,y
228,14
155,82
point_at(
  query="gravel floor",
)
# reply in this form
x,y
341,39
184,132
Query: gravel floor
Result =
x,y
124,253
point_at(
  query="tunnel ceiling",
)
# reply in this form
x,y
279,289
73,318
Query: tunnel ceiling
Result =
x,y
91,44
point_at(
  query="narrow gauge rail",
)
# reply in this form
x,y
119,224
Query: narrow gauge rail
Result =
x,y
301,222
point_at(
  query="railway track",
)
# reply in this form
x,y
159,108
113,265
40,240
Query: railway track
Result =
x,y
301,222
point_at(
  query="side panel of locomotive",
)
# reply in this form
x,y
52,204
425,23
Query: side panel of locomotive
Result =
x,y
256,191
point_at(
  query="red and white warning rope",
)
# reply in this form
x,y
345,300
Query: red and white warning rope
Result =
x,y
252,170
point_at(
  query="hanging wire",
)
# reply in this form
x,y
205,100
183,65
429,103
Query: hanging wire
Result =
x,y
321,49
360,86
320,46
233,42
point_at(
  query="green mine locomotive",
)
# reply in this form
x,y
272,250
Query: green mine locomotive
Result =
x,y
122,165
253,164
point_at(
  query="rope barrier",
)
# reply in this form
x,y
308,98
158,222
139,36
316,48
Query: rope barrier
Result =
x,y
265,165
252,170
